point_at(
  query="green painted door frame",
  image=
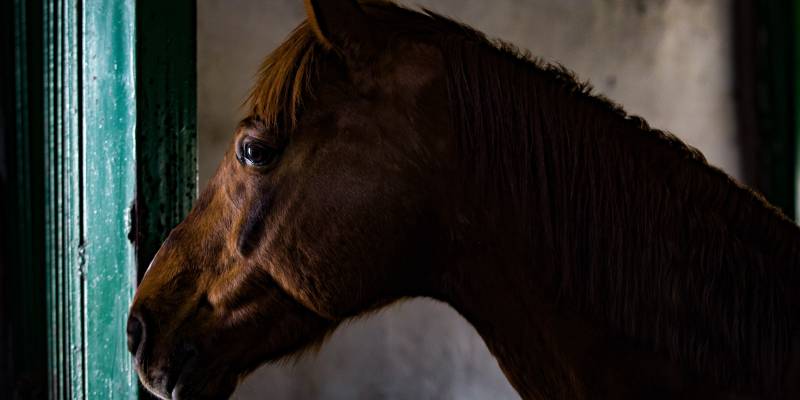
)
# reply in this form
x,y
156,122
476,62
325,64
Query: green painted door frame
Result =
x,y
90,126
105,100
166,137
23,331
23,337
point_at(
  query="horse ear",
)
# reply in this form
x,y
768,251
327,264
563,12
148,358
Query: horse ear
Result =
x,y
337,22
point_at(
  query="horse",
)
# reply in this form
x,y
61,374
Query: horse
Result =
x,y
391,153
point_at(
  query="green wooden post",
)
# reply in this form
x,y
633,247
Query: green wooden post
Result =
x,y
166,128
63,223
90,120
109,122
112,86
23,369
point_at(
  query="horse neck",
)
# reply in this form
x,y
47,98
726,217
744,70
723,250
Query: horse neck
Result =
x,y
502,298
563,277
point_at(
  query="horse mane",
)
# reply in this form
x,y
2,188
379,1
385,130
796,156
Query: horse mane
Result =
x,y
667,249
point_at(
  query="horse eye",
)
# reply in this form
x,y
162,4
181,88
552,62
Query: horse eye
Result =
x,y
257,154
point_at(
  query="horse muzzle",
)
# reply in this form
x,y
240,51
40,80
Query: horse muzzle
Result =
x,y
168,378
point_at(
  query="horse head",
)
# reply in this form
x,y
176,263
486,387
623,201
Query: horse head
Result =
x,y
323,208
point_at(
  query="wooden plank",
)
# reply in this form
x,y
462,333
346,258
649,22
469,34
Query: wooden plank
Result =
x,y
77,112
58,207
90,119
166,134
109,130
23,369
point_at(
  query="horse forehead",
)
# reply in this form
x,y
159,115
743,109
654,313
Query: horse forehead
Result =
x,y
402,71
414,65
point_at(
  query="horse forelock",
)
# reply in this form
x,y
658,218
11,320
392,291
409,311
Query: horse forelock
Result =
x,y
286,77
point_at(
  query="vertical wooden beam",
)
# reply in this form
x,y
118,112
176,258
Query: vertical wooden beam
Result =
x,y
23,369
90,120
166,132
63,223
109,140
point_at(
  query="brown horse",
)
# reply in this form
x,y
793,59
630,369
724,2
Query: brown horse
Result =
x,y
391,153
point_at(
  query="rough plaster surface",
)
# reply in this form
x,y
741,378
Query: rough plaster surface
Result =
x,y
665,60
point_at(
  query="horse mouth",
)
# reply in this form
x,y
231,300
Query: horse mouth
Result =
x,y
177,383
171,383
191,382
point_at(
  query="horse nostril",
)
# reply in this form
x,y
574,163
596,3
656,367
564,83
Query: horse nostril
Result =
x,y
135,330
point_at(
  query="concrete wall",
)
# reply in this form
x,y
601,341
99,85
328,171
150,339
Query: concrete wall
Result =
x,y
666,60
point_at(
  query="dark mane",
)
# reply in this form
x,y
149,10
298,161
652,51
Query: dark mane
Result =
x,y
689,263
